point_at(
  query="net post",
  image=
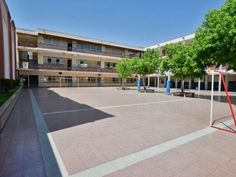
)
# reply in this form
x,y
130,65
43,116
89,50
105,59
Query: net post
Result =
x,y
212,97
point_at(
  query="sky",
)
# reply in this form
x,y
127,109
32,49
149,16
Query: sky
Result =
x,y
140,23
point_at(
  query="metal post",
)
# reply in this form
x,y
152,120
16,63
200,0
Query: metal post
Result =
x,y
139,84
168,86
212,97
219,86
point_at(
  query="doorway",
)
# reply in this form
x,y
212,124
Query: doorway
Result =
x,y
69,64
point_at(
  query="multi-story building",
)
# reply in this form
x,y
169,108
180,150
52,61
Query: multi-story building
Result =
x,y
7,43
52,59
204,83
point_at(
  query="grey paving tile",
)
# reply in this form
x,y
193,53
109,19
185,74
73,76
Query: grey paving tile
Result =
x,y
20,153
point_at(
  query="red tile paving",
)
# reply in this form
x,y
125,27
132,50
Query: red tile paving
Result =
x,y
90,138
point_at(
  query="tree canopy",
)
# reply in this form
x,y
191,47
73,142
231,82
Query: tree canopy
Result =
x,y
182,63
147,64
215,40
124,69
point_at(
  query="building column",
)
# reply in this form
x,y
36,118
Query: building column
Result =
x,y
206,82
189,84
219,86
199,85
158,81
28,81
176,84
102,64
148,81
227,80
155,82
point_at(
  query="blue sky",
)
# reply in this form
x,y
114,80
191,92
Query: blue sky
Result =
x,y
134,22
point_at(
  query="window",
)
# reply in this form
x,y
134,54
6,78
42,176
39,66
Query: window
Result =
x,y
53,60
92,79
89,47
110,65
131,80
62,61
115,80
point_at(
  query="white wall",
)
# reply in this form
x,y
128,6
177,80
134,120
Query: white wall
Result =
x,y
6,50
13,56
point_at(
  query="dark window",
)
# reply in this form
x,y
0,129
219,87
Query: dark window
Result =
x,y
49,60
115,80
58,61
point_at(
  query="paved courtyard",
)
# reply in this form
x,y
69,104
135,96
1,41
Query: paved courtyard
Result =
x,y
109,132
105,131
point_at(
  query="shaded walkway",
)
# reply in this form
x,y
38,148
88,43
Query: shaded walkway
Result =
x,y
20,151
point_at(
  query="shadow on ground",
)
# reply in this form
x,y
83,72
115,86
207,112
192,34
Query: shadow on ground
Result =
x,y
58,120
218,98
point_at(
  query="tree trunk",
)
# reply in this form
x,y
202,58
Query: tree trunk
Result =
x,y
122,84
182,85
144,83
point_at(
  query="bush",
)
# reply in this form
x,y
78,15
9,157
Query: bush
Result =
x,y
8,84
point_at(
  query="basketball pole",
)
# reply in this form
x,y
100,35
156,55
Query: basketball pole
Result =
x,y
212,97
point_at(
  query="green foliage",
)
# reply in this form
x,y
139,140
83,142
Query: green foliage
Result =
x,y
7,84
147,64
182,62
215,41
124,68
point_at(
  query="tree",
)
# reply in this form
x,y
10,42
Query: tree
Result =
x,y
147,64
124,70
215,40
182,62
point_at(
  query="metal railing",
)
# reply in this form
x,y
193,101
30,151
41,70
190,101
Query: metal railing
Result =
x,y
77,49
73,68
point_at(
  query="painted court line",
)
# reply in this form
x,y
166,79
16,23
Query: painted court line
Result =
x,y
117,106
50,165
123,162
126,161
58,157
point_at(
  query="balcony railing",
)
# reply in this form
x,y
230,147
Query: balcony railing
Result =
x,y
77,49
73,68
27,44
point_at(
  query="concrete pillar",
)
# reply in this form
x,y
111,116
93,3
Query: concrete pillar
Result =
x,y
28,81
158,81
155,82
102,64
176,83
219,86
168,86
148,81
189,84
199,85
206,82
227,80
